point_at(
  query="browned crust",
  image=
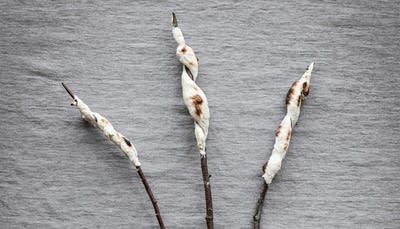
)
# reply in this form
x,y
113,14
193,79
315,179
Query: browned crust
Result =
x,y
110,136
290,93
278,130
264,166
127,141
197,101
299,101
288,135
286,144
184,49
306,89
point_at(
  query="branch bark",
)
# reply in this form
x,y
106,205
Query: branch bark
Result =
x,y
259,207
207,192
151,196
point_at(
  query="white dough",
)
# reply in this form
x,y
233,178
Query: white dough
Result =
x,y
108,130
193,97
283,134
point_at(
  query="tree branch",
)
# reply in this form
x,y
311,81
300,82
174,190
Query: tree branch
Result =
x,y
207,192
151,196
68,90
259,206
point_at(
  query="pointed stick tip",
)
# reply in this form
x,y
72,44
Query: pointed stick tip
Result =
x,y
68,90
174,20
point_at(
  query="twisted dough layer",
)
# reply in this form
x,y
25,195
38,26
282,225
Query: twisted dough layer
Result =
x,y
194,98
297,92
108,130
184,52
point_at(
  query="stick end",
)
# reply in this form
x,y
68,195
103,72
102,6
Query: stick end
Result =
x,y
67,89
174,20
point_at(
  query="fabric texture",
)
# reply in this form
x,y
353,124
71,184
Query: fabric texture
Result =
x,y
342,166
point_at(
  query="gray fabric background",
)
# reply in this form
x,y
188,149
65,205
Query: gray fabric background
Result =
x,y
342,168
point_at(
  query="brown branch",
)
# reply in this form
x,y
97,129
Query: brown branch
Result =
x,y
68,90
259,207
207,191
151,196
174,21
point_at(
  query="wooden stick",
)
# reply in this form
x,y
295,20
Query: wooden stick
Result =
x,y
68,90
174,21
118,139
207,192
259,207
151,196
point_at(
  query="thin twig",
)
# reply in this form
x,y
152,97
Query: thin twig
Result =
x,y
207,192
174,21
68,90
259,207
151,196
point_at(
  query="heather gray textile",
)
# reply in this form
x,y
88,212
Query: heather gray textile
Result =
x,y
342,167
